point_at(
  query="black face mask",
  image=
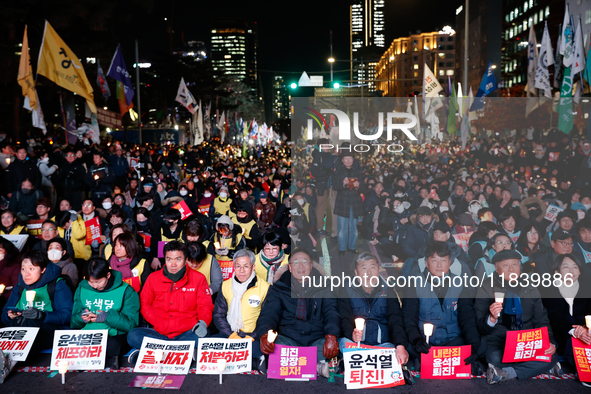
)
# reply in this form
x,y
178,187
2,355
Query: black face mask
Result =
x,y
26,191
243,220
142,223
534,212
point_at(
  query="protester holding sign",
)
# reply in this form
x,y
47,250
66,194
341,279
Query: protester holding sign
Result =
x,y
51,307
225,241
309,319
104,301
521,309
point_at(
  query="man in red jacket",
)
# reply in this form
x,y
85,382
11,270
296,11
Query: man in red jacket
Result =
x,y
176,301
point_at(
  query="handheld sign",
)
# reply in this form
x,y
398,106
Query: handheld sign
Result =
x,y
236,352
446,362
372,368
93,230
526,345
82,349
183,209
17,342
176,356
293,363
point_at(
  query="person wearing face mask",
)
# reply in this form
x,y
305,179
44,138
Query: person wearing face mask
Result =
x,y
250,229
21,168
221,204
49,231
206,203
226,240
171,230
532,210
57,252
104,301
580,210
10,224
23,200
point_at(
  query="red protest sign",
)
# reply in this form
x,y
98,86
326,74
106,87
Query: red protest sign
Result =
x,y
183,209
582,354
34,227
147,239
526,345
446,362
93,230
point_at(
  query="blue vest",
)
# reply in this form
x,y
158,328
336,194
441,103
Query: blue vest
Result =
x,y
443,317
375,312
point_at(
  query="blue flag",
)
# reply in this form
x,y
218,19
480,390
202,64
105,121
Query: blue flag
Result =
x,y
118,71
487,86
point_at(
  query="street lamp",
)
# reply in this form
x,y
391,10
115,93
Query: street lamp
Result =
x,y
331,59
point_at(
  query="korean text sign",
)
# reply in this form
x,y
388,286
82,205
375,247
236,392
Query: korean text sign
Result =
x,y
93,230
582,354
372,368
17,342
236,352
183,208
176,357
444,362
293,363
526,345
82,349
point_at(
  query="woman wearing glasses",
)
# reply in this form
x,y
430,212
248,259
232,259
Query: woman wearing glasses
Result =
x,y
497,243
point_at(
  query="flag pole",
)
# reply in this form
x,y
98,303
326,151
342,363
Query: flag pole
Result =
x,y
466,44
139,105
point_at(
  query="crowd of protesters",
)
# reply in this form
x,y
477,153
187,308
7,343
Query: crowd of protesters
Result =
x,y
232,264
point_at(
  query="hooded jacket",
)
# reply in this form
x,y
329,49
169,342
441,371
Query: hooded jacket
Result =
x,y
525,212
24,204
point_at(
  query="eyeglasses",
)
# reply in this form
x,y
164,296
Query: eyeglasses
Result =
x,y
300,262
48,230
503,242
70,155
564,243
87,205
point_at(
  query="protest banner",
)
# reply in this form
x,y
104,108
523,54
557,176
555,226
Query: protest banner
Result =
x,y
526,345
17,342
462,240
158,382
17,240
82,349
446,362
372,368
582,355
552,212
236,352
176,357
93,230
183,209
34,227
292,363
147,239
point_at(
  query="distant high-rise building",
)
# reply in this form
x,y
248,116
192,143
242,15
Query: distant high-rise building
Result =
x,y
367,32
281,99
234,51
403,63
195,49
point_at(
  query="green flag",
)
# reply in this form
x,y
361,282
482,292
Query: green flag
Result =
x,y
452,127
565,107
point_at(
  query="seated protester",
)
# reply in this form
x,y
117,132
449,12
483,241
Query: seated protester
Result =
x,y
221,204
272,261
128,259
10,267
264,211
419,233
57,253
529,242
479,240
580,210
206,203
238,306
49,230
521,309
199,260
104,302
302,203
583,239
42,208
11,224
568,304
442,233
196,231
175,314
146,200
299,233
171,230
119,200
244,217
117,216
447,306
562,242
282,218
106,249
52,307
377,303
307,319
224,243
498,242
532,210
502,205
508,225
106,206
144,223
23,200
81,250
565,221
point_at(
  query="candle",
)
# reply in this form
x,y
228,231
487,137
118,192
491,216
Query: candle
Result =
x,y
499,297
63,368
428,330
158,353
30,294
8,160
217,245
588,322
96,177
221,367
2,287
359,324
271,335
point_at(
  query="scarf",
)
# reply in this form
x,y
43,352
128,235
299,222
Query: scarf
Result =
x,y
121,266
86,218
271,265
569,293
235,309
514,320
175,277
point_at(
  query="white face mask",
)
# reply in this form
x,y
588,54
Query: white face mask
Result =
x,y
399,209
580,214
246,174
54,254
107,205
300,201
443,209
183,192
587,206
2,255
223,195
207,194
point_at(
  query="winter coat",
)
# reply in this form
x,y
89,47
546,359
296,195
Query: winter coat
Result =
x,y
24,204
18,170
71,176
46,171
268,212
119,164
69,268
415,237
347,199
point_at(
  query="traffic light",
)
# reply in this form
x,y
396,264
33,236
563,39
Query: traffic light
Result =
x,y
336,85
293,85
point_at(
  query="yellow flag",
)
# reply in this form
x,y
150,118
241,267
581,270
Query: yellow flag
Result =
x,y
58,63
25,74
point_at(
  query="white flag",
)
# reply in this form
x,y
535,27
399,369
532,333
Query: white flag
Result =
x,y
460,100
222,127
579,50
185,97
472,115
566,44
544,60
431,88
199,126
565,23
418,125
532,61
37,114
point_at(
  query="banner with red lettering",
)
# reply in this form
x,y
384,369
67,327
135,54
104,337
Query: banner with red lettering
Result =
x,y
176,357
183,209
527,345
372,368
16,342
446,362
82,349
236,352
582,354
34,227
463,239
93,230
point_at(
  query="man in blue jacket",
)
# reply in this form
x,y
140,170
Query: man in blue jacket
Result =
x,y
120,166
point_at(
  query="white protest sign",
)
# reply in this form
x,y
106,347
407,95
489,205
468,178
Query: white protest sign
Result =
x,y
372,368
176,357
18,240
17,342
82,349
236,352
552,212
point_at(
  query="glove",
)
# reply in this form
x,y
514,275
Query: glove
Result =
x,y
234,336
33,314
266,347
473,355
331,347
73,217
101,317
94,244
421,345
200,329
222,252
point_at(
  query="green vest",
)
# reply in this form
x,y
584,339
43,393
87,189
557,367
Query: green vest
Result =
x,y
42,300
95,301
